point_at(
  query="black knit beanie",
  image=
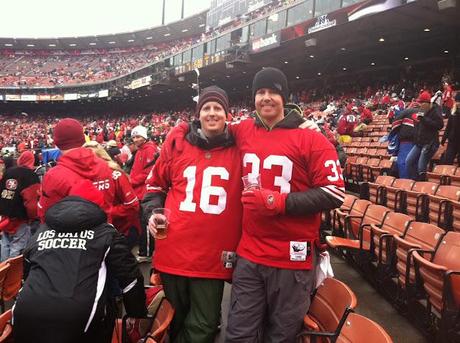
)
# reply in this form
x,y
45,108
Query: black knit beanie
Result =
x,y
271,78
212,93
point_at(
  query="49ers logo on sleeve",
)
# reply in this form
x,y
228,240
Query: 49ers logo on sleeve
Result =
x,y
11,184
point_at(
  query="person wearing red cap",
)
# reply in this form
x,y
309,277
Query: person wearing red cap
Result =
x,y
426,137
70,265
19,189
200,182
76,163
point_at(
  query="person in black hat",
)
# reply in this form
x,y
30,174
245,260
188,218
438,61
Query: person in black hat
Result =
x,y
299,176
452,133
200,183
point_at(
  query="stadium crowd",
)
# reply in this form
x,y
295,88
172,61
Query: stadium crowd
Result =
x,y
42,68
130,165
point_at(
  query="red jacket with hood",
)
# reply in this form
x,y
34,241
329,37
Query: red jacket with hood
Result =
x,y
76,165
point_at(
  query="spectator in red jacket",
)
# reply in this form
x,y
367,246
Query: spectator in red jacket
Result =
x,y
447,99
18,205
143,163
125,205
75,164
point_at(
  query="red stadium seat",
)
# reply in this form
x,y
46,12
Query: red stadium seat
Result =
x,y
6,328
339,214
13,280
358,328
440,208
441,280
441,173
417,199
395,194
377,188
421,236
329,308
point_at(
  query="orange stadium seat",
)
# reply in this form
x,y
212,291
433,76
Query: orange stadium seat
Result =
x,y
329,308
6,328
440,209
357,237
382,237
441,173
13,280
377,188
395,194
440,277
419,236
358,328
339,214
417,199
162,321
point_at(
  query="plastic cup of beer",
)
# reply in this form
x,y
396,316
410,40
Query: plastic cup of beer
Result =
x,y
251,182
161,218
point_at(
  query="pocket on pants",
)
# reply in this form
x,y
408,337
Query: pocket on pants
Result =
x,y
304,278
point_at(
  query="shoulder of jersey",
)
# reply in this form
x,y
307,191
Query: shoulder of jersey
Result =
x,y
244,120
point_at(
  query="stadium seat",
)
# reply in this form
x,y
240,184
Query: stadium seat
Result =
x,y
358,236
395,195
377,188
441,173
382,237
163,318
360,329
6,328
13,280
356,168
339,214
329,307
419,236
366,169
417,199
440,277
454,180
440,208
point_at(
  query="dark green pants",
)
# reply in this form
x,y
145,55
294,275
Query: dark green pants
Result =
x,y
197,302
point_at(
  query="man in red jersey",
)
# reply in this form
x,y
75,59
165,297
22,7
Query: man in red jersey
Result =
x,y
300,177
201,184
76,163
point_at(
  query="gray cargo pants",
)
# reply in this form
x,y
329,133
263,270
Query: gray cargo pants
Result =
x,y
267,304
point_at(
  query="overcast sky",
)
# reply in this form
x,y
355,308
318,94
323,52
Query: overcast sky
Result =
x,y
65,18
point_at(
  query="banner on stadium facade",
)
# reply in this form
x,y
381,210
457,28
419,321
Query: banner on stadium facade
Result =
x,y
93,95
266,42
44,97
71,96
200,63
313,25
138,83
1,97
322,23
103,93
57,97
13,97
28,97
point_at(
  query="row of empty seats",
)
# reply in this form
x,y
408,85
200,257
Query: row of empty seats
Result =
x,y
424,201
415,264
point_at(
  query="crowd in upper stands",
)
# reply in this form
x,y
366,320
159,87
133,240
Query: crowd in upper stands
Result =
x,y
65,67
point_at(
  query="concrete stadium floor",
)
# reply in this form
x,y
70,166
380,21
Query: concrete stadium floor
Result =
x,y
370,304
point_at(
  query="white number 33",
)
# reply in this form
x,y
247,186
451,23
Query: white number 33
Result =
x,y
335,170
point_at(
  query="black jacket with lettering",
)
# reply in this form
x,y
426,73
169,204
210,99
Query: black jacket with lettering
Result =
x,y
71,265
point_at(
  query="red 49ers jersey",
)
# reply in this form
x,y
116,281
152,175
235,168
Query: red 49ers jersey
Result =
x,y
288,160
203,193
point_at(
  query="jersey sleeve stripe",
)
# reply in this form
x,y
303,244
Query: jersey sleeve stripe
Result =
x,y
338,195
